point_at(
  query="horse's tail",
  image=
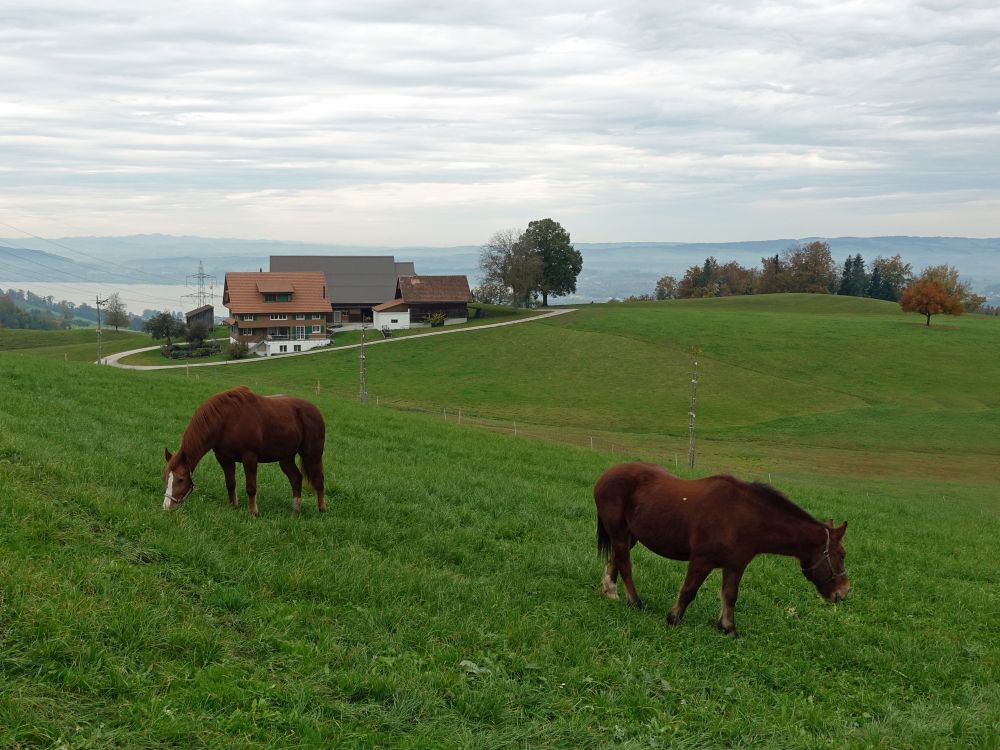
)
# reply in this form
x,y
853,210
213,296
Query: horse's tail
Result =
x,y
313,442
312,470
603,540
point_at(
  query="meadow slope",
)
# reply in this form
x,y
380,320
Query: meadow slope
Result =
x,y
449,598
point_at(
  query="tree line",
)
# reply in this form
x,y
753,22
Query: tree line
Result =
x,y
810,268
21,308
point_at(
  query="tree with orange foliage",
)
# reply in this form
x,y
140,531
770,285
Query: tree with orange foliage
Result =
x,y
928,296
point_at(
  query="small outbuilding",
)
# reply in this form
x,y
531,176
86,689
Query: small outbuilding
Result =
x,y
204,316
425,300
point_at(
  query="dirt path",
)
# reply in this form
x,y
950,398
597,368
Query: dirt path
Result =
x,y
114,359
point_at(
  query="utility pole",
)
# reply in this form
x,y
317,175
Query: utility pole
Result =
x,y
201,297
99,303
694,404
364,387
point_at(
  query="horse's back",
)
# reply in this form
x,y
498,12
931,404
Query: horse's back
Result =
x,y
626,478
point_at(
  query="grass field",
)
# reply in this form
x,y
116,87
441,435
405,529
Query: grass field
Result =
x,y
450,596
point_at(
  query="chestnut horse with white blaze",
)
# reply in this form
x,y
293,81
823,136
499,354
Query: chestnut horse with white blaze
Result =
x,y
240,426
716,522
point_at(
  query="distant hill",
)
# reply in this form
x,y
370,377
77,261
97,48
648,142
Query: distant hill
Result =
x,y
614,269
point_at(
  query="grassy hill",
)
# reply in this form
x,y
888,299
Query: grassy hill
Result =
x,y
450,596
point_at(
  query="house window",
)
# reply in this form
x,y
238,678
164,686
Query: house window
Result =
x,y
300,332
317,329
394,320
247,316
246,332
300,316
338,317
317,316
277,297
283,348
279,316
298,347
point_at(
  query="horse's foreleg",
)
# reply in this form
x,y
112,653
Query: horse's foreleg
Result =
x,y
697,572
229,472
250,469
295,479
730,590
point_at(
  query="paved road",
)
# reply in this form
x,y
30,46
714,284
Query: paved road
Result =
x,y
114,359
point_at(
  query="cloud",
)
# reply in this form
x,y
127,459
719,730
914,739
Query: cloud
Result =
x,y
647,121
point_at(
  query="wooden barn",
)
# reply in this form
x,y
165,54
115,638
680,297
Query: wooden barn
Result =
x,y
420,297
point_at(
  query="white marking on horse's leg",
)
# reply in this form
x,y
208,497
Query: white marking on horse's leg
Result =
x,y
297,504
610,587
168,493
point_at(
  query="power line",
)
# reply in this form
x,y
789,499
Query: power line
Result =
x,y
129,269
69,274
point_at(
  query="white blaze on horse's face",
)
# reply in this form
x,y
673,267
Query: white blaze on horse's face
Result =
x,y
179,486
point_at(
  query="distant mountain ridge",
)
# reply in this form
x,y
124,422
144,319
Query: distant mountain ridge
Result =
x,y
610,269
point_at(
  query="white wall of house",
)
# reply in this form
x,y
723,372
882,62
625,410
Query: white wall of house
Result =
x,y
391,319
290,346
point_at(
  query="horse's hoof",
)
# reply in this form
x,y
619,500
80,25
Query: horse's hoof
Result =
x,y
730,631
636,603
673,619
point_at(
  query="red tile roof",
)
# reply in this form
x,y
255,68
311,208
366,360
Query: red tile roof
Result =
x,y
243,292
434,289
393,304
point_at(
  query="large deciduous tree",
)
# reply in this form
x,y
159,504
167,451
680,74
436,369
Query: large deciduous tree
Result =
x,y
561,262
164,326
115,313
889,277
507,261
811,268
666,288
930,297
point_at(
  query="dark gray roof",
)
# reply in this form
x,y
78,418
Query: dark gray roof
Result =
x,y
350,279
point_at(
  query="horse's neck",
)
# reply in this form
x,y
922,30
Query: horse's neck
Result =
x,y
794,537
193,449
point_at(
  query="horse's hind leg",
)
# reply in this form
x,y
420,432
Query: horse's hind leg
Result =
x,y
295,479
730,590
621,558
313,468
609,583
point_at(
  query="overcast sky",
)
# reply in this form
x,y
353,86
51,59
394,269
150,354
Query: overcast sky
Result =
x,y
400,123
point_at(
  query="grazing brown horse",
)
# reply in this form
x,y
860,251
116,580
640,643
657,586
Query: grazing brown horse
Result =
x,y
239,425
716,522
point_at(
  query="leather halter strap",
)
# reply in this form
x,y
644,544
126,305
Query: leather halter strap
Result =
x,y
826,558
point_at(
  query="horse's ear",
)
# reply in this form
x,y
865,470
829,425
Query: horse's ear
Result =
x,y
167,454
828,523
840,530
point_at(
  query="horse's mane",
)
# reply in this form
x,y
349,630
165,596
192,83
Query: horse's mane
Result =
x,y
212,413
770,497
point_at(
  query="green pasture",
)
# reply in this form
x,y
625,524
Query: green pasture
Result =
x,y
449,598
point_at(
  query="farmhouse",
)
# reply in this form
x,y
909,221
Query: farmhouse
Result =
x,y
356,282
419,299
277,313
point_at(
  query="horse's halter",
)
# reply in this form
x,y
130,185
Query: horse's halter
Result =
x,y
168,494
826,559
